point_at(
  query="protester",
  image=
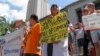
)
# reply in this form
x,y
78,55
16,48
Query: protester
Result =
x,y
58,48
86,34
54,12
71,38
18,25
32,47
95,34
79,37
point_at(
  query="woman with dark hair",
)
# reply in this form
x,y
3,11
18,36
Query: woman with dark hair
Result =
x,y
33,37
54,12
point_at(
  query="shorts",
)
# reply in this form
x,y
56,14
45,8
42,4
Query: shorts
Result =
x,y
70,38
80,42
95,35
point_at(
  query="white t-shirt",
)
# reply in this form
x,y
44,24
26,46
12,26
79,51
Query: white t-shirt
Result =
x,y
79,33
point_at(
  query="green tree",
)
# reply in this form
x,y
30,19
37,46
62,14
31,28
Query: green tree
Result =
x,y
5,26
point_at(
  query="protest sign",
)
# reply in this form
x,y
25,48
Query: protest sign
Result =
x,y
13,42
92,21
54,28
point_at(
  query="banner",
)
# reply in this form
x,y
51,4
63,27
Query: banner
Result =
x,y
91,22
54,28
12,44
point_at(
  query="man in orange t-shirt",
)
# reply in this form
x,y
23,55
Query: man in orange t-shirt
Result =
x,y
32,47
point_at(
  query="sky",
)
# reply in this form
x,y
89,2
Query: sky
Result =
x,y
16,9
61,3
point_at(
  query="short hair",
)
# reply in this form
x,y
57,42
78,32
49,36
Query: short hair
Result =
x,y
54,5
90,4
34,17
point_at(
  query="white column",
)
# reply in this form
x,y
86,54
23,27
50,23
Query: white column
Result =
x,y
38,7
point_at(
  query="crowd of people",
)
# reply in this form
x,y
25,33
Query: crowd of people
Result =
x,y
31,45
84,37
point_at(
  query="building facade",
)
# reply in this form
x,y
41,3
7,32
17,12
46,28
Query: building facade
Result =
x,y
74,9
38,7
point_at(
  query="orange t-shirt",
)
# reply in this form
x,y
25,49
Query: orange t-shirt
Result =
x,y
33,38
